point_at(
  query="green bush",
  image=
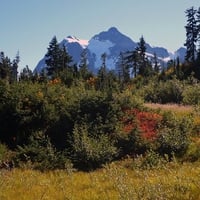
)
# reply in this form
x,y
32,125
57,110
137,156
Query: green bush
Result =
x,y
128,99
174,135
5,157
40,154
193,152
89,151
152,160
163,92
132,144
191,95
99,111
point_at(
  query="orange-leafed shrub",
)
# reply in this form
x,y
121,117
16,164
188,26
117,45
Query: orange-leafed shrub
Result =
x,y
54,81
147,122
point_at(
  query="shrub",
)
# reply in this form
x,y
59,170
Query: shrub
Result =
x,y
128,100
191,95
89,151
152,160
174,135
5,157
40,154
193,152
163,92
140,130
132,143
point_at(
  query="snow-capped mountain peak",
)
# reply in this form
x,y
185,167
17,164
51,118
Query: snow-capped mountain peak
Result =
x,y
112,42
73,39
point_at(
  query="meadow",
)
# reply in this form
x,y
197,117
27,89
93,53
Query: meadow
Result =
x,y
115,181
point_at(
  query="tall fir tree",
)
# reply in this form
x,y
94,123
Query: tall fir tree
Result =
x,y
102,74
53,57
132,61
141,49
83,66
57,59
198,34
191,34
123,69
5,67
14,68
26,74
65,57
155,63
144,66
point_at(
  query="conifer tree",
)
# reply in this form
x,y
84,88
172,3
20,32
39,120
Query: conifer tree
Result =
x,y
66,58
26,74
144,66
5,67
123,69
83,66
156,64
57,58
141,49
191,34
14,68
132,61
53,57
102,74
198,33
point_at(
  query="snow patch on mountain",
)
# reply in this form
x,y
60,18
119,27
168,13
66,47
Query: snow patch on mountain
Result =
x,y
73,39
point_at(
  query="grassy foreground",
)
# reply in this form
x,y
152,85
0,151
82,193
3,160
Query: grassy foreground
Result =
x,y
174,181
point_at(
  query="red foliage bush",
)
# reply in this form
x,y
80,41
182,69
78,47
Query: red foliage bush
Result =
x,y
147,122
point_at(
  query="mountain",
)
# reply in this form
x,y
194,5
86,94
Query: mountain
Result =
x,y
74,47
111,42
180,53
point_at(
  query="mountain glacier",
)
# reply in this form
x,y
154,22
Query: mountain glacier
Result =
x,y
112,42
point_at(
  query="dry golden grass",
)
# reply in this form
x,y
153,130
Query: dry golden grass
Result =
x,y
180,111
171,107
113,182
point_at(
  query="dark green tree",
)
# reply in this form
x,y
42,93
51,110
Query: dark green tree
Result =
x,y
191,34
198,34
144,66
53,61
26,74
57,59
156,64
66,58
132,61
83,66
102,74
14,68
123,70
5,67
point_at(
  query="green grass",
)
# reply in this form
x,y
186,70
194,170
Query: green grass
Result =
x,y
115,181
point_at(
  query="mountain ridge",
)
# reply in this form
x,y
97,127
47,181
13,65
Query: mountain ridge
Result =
x,y
112,42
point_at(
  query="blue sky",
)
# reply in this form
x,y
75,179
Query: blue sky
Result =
x,y
29,25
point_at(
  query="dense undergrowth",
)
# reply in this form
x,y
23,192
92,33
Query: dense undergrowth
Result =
x,y
52,126
51,134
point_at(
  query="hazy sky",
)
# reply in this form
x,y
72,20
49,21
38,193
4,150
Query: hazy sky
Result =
x,y
29,25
